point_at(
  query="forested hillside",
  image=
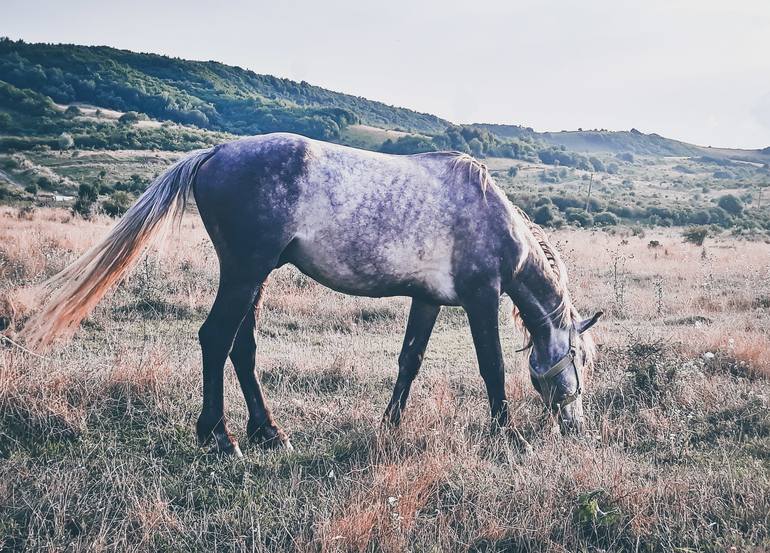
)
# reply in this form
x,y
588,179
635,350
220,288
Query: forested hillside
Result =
x,y
196,103
207,94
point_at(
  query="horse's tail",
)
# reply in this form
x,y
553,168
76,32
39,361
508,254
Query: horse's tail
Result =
x,y
76,290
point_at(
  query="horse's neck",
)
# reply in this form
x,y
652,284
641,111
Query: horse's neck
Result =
x,y
542,305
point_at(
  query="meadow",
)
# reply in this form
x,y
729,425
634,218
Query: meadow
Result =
x,y
97,447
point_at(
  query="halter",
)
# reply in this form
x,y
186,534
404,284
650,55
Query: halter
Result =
x,y
569,359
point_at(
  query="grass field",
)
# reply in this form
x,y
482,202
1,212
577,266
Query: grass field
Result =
x,y
97,448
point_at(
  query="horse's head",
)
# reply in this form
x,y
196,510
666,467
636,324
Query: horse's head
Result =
x,y
556,363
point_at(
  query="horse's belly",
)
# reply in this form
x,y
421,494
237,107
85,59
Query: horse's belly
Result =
x,y
380,268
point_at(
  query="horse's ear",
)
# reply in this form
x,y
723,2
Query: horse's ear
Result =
x,y
585,324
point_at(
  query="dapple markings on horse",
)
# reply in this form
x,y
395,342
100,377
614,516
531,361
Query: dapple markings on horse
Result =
x,y
430,226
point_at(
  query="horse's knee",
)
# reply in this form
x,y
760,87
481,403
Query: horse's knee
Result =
x,y
409,364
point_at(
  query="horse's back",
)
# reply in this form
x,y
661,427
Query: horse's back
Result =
x,y
360,222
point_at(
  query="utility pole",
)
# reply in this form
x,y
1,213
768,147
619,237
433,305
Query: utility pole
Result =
x,y
588,198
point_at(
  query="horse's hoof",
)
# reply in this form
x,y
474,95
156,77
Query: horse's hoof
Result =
x,y
231,449
270,437
237,451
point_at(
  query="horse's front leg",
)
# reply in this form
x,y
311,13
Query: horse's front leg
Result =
x,y
422,317
482,310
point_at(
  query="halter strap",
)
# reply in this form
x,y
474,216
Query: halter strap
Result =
x,y
569,359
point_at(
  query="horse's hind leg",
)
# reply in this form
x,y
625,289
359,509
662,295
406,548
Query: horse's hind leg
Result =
x,y
261,427
422,317
235,298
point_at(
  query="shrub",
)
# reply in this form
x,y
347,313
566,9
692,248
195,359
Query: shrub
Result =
x,y
5,121
597,164
117,204
65,141
696,235
579,216
72,111
612,168
513,171
605,219
543,215
84,205
129,118
731,204
45,183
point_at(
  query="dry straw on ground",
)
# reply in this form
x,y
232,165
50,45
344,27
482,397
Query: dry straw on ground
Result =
x,y
97,450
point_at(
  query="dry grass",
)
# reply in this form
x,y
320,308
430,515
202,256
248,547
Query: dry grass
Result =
x,y
97,450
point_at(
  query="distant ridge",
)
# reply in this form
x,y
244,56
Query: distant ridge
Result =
x,y
633,141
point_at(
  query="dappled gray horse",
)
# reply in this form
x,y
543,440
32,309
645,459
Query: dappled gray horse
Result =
x,y
430,226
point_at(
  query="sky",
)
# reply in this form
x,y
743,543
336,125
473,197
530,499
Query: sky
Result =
x,y
695,70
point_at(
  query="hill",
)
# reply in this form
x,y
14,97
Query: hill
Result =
x,y
207,94
619,142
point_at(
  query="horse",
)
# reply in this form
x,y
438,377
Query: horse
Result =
x,y
431,226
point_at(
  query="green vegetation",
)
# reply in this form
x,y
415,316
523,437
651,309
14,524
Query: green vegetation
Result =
x,y
127,101
208,94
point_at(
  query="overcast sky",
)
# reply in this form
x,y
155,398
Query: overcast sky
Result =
x,y
696,70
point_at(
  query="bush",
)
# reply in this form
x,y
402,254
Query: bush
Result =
x,y
579,216
45,183
84,205
5,121
129,118
731,204
65,141
31,188
409,144
117,204
605,219
513,171
612,168
696,235
72,111
543,215
597,164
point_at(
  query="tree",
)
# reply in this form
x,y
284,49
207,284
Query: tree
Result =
x,y
605,219
731,204
695,235
597,164
84,205
5,121
129,118
543,215
72,111
477,148
66,141
45,183
117,204
579,216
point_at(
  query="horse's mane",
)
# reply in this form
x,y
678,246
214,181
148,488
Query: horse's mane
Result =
x,y
542,252
547,256
467,167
